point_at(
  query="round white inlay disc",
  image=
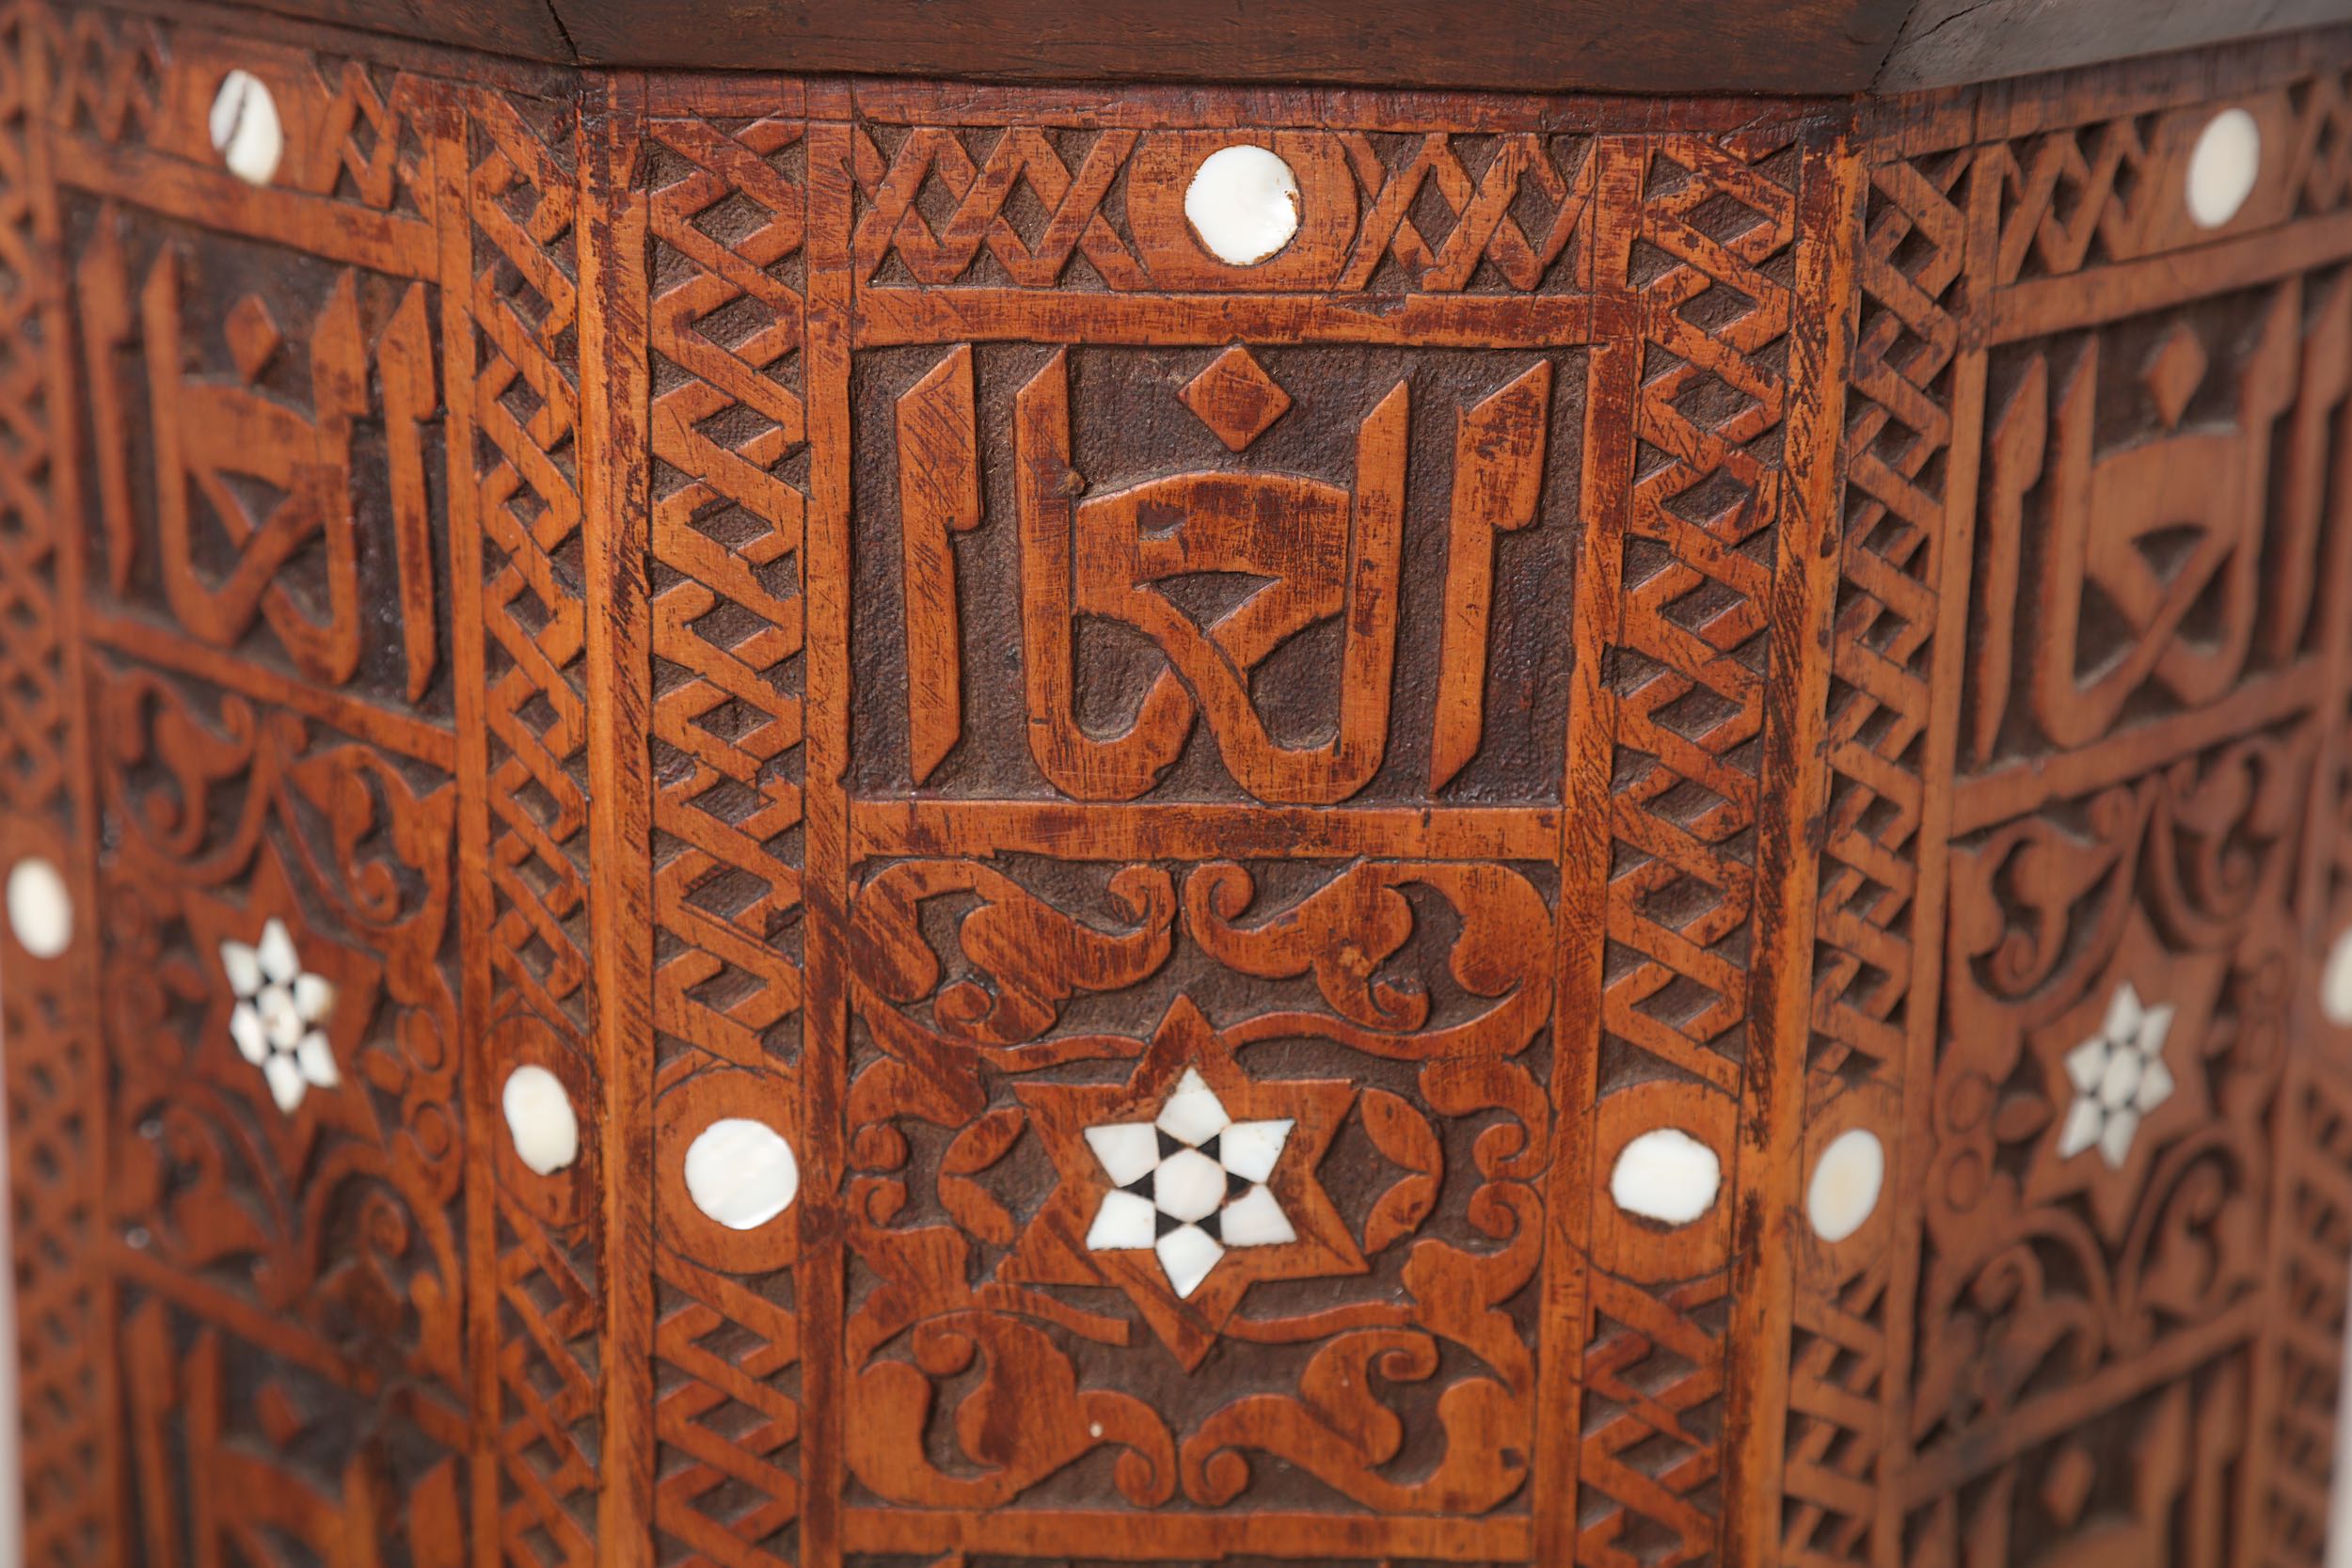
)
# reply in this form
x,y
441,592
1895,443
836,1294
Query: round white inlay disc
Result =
x,y
1666,1175
1243,202
2222,168
40,911
246,132
1846,1183
2335,981
540,1118
742,1173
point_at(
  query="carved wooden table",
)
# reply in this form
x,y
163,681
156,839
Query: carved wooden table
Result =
x,y
782,818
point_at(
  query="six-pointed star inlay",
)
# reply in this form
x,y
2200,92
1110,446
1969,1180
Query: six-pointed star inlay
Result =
x,y
2141,1022
1229,1167
2119,1077
1191,1183
280,1015
288,1000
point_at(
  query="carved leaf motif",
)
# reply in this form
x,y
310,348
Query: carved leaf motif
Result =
x,y
1402,1135
1035,956
1025,1418
1338,1430
977,1148
1348,931
2021,1118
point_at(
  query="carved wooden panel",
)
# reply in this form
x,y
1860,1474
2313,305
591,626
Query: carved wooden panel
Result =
x,y
755,820
728,217
298,1198
2095,544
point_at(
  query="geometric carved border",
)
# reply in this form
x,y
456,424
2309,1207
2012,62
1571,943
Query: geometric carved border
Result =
x,y
1868,991
49,1008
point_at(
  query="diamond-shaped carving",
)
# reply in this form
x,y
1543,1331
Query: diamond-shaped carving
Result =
x,y
2174,372
2066,1484
253,337
1236,398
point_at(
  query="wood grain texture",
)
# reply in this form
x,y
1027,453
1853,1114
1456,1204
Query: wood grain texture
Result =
x,y
1952,42
529,29
600,618
1819,47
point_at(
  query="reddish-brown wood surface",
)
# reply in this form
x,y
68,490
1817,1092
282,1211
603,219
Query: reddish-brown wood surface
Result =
x,y
1828,47
816,602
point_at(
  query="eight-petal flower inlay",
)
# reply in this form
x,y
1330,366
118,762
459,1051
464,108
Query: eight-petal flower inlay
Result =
x,y
2119,1077
279,1020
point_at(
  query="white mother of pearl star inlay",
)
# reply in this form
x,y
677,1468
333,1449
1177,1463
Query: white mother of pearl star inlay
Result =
x,y
279,1020
1189,1184
2119,1077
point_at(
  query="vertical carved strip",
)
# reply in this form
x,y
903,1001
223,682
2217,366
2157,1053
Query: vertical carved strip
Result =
x,y
727,537
443,123
72,1510
1045,488
824,1077
2298,1371
1579,945
728,212
523,301
1767,1220
1968,229
2293,1451
1498,479
1673,722
2303,1358
102,304
613,484
1684,711
507,199
939,491
1897,425
2310,453
410,397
